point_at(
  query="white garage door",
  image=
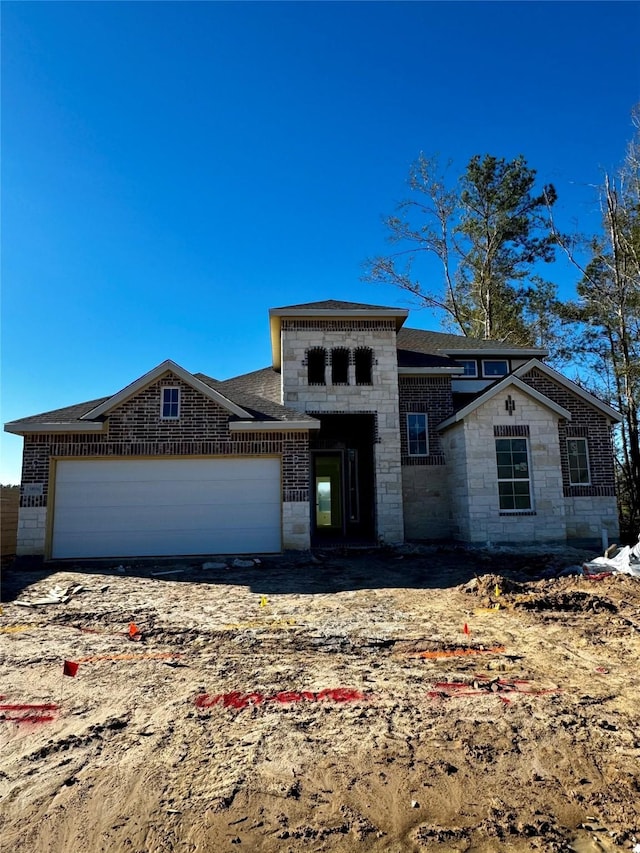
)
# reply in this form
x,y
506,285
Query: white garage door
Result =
x,y
166,507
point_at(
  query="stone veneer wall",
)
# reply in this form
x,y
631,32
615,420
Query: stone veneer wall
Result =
x,y
379,398
484,521
425,487
458,473
135,429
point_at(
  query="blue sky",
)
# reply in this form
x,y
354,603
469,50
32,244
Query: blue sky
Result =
x,y
173,170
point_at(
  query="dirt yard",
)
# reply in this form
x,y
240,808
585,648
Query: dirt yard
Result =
x,y
399,701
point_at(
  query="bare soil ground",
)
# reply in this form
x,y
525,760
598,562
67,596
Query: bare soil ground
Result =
x,y
330,702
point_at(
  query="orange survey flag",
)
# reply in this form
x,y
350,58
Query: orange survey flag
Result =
x,y
134,633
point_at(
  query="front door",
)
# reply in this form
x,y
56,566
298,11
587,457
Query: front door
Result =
x,y
342,479
329,493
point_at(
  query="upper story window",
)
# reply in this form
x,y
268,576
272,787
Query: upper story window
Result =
x,y
316,361
470,366
340,366
170,403
363,358
514,480
491,368
417,434
578,453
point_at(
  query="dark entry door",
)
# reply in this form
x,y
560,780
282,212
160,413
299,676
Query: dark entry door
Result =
x,y
342,479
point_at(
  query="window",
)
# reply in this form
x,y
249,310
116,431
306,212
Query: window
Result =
x,y
578,454
514,483
470,366
417,434
316,360
339,366
170,407
364,366
495,367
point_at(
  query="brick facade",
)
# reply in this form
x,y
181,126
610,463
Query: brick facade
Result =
x,y
135,429
432,395
586,422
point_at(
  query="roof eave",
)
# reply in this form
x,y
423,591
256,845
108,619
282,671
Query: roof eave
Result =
x,y
491,392
276,315
26,428
513,352
610,412
403,371
154,374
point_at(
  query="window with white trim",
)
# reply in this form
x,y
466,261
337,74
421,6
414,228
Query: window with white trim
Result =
x,y
578,455
494,367
170,405
514,480
470,366
417,434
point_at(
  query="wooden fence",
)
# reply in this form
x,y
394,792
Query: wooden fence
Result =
x,y
9,502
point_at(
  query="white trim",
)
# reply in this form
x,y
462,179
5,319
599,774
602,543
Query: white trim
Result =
x,y
427,371
164,417
494,376
156,373
263,426
505,383
571,386
473,361
22,427
501,352
529,479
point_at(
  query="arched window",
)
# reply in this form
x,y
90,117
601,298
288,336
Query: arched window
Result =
x,y
316,360
339,366
364,366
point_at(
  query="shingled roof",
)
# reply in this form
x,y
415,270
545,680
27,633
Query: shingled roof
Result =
x,y
441,343
336,305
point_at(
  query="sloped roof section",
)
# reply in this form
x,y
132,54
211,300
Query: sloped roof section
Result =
x,y
156,373
442,343
411,358
336,305
258,407
59,419
263,383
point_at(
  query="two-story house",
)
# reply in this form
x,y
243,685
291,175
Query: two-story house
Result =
x,y
361,430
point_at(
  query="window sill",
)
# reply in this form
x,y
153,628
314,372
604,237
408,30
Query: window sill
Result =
x,y
518,512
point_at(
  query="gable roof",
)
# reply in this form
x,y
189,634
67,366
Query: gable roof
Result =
x,y
507,382
535,364
247,410
156,373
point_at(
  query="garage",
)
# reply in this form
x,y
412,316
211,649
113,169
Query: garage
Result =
x,y
166,507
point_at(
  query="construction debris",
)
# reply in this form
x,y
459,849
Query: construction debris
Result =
x,y
616,561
